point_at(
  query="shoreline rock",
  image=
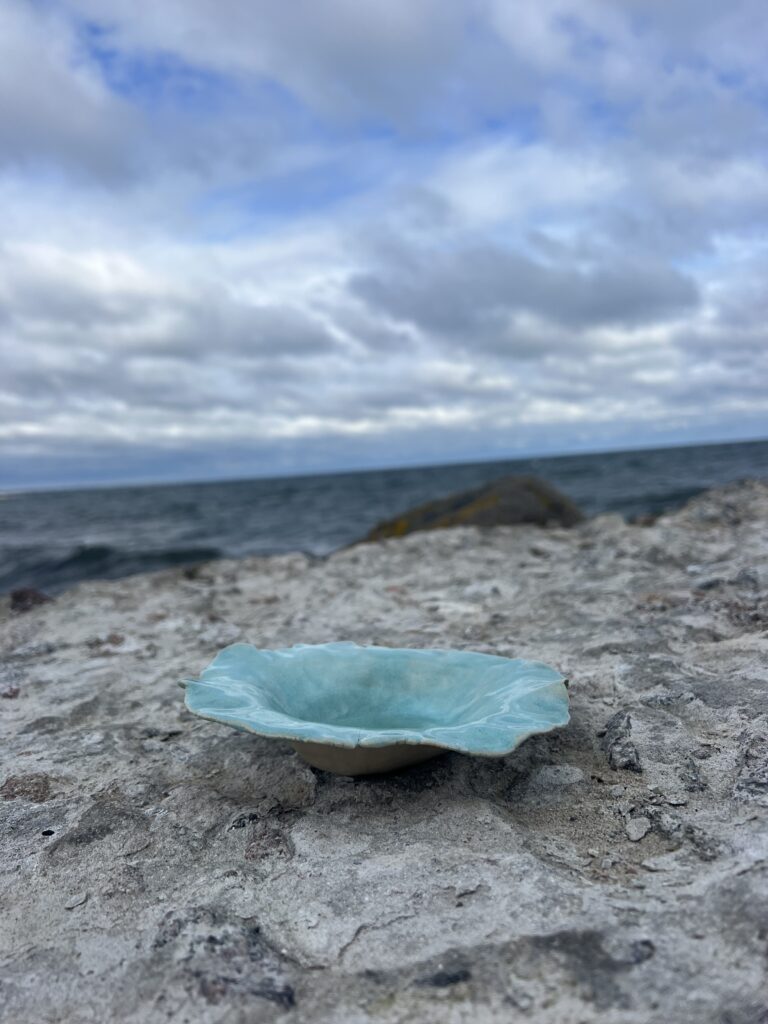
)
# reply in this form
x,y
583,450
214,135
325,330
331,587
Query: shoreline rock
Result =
x,y
160,866
508,501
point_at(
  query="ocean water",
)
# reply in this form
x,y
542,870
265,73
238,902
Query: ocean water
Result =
x,y
55,539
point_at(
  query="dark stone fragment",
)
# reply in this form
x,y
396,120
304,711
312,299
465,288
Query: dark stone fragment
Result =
x,y
691,777
375,976
164,735
752,783
712,584
442,979
508,501
214,989
664,700
639,952
283,996
242,820
26,598
706,847
617,744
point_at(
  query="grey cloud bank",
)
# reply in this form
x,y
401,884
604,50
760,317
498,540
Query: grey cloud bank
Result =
x,y
474,293
240,239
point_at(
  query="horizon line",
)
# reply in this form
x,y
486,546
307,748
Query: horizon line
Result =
x,y
361,470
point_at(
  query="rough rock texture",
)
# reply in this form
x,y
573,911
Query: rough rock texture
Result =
x,y
510,500
157,867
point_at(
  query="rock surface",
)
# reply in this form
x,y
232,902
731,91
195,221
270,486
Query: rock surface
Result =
x,y
510,500
158,867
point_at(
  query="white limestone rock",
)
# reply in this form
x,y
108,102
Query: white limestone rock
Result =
x,y
158,867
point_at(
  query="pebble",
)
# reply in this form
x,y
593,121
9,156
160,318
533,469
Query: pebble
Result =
x,y
481,591
636,828
521,1000
76,900
664,862
554,775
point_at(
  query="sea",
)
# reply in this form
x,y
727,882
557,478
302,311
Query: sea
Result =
x,y
52,540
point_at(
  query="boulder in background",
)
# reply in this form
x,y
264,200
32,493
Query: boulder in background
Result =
x,y
505,502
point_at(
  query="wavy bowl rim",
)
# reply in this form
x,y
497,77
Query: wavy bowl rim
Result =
x,y
404,737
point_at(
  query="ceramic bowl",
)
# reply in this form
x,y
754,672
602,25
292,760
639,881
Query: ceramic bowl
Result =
x,y
357,710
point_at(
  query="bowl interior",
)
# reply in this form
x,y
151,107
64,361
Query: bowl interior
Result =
x,y
376,688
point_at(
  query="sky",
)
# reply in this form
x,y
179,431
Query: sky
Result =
x,y
251,237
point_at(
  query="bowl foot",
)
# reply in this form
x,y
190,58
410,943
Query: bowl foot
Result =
x,y
364,760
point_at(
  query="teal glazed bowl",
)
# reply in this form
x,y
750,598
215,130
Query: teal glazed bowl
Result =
x,y
357,710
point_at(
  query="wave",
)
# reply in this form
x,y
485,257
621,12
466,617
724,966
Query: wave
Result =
x,y
53,571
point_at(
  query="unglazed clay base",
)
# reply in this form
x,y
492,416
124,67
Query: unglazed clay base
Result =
x,y
364,760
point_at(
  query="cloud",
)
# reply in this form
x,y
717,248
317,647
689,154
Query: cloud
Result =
x,y
475,295
300,235
54,109
341,59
